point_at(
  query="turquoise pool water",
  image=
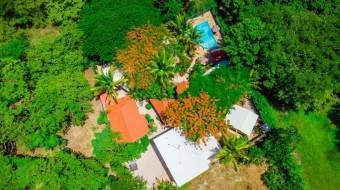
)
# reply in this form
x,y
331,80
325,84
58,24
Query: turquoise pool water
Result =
x,y
207,40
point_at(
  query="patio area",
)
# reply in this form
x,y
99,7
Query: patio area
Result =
x,y
150,167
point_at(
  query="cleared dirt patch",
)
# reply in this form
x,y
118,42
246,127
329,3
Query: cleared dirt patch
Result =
x,y
219,177
80,137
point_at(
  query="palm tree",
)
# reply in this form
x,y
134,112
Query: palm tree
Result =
x,y
190,38
186,33
106,84
233,150
163,67
179,25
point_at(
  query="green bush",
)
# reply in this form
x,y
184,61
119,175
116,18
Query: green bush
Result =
x,y
155,91
108,150
149,118
102,119
169,8
61,170
226,84
148,106
13,48
200,6
266,111
283,171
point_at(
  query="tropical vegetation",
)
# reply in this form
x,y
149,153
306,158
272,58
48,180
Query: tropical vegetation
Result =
x,y
283,56
233,151
105,83
198,117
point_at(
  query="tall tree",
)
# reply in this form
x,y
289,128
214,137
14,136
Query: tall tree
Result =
x,y
198,117
233,150
185,32
136,59
105,83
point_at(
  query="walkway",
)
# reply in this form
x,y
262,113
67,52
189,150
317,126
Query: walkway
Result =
x,y
149,165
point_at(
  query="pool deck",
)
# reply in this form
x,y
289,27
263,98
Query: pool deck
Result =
x,y
207,16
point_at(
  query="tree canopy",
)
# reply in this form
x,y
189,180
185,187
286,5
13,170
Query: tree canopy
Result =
x,y
198,117
298,63
62,170
106,23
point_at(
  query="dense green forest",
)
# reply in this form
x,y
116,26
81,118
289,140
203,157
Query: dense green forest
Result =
x,y
287,50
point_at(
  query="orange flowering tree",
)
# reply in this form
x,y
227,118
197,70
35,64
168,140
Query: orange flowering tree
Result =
x,y
198,117
144,43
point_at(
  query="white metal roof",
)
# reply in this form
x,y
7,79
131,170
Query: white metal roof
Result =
x,y
242,119
184,159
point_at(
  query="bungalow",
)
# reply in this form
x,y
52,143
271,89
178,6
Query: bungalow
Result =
x,y
183,159
125,118
242,119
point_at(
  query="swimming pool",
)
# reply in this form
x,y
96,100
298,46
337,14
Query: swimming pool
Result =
x,y
207,40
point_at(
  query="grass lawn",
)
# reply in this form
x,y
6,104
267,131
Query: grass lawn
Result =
x,y
317,150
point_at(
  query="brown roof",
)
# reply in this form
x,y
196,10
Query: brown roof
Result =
x,y
181,87
124,118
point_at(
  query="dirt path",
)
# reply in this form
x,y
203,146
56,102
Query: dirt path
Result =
x,y
80,137
219,177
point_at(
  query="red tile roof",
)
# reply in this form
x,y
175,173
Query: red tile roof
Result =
x,y
181,87
160,105
124,118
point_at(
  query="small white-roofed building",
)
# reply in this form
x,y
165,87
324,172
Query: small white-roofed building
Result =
x,y
183,159
242,119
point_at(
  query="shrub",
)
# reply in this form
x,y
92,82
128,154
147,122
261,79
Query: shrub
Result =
x,y
148,106
107,149
226,84
154,91
283,171
149,118
13,48
165,185
102,119
266,111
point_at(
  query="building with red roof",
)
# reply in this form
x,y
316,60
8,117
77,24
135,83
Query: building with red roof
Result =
x,y
160,105
125,118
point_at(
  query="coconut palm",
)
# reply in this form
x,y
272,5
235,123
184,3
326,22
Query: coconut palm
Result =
x,y
190,38
106,84
163,67
233,151
179,25
186,33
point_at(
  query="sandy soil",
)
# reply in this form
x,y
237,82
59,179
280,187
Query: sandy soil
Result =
x,y
219,177
80,137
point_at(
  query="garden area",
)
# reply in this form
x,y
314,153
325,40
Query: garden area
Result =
x,y
282,56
